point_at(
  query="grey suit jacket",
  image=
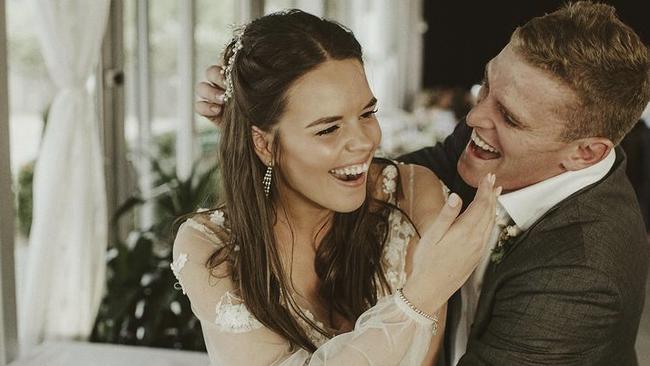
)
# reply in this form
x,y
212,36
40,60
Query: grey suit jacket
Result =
x,y
570,290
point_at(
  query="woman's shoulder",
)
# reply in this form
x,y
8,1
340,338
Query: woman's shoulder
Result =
x,y
199,237
390,179
425,181
416,190
208,226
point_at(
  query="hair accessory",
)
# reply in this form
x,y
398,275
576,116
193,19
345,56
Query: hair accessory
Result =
x,y
267,180
227,71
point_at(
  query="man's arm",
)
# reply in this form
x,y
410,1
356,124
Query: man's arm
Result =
x,y
556,315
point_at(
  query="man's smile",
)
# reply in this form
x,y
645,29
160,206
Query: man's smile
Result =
x,y
481,149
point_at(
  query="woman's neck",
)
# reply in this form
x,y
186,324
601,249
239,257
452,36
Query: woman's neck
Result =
x,y
306,221
305,226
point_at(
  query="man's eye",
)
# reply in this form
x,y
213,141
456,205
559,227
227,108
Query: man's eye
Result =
x,y
370,114
327,130
509,120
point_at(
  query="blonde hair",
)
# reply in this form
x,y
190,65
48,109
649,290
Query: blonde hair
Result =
x,y
601,59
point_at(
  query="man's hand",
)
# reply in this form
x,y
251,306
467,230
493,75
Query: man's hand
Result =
x,y
210,93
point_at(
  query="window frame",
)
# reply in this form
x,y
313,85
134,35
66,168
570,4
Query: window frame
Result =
x,y
8,315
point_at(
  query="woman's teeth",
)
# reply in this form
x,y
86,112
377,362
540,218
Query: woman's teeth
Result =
x,y
482,144
351,172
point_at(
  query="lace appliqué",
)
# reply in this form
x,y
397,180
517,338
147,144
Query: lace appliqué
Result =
x,y
399,236
314,336
218,218
389,186
177,265
233,316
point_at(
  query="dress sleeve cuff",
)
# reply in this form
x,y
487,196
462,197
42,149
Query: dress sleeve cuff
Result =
x,y
414,315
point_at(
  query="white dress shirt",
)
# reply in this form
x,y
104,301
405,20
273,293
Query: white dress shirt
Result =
x,y
524,206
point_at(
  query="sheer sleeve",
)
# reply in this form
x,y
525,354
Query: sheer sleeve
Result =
x,y
389,333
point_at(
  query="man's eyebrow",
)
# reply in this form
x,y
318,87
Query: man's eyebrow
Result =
x,y
504,109
330,119
516,119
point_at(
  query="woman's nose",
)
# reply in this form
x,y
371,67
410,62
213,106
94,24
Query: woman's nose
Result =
x,y
359,138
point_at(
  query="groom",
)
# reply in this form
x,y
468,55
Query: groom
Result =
x,y
566,284
562,280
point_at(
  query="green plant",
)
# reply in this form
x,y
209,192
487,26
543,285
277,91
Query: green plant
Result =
x,y
24,198
142,305
25,188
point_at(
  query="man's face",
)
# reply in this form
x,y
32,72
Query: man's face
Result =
x,y
517,123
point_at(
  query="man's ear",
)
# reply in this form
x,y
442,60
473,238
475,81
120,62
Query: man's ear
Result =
x,y
586,152
263,144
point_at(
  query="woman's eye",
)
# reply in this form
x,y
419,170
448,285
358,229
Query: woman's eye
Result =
x,y
370,114
327,130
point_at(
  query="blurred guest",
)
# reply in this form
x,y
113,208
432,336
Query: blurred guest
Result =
x,y
434,114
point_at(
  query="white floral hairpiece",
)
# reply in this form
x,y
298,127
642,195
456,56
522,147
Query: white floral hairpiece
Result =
x,y
227,71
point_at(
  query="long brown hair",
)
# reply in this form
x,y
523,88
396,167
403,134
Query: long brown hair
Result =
x,y
277,50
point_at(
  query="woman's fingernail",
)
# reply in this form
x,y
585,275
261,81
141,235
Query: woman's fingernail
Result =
x,y
453,200
493,178
219,97
498,191
215,109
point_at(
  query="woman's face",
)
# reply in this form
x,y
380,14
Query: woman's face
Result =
x,y
328,136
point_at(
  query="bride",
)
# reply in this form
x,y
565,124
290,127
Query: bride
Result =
x,y
321,254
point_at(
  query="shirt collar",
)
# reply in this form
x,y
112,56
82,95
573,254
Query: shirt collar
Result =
x,y
528,204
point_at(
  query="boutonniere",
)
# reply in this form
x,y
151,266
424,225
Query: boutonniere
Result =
x,y
508,233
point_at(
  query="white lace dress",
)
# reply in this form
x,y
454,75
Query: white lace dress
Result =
x,y
389,333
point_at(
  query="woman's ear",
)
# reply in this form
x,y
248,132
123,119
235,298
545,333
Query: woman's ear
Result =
x,y
263,143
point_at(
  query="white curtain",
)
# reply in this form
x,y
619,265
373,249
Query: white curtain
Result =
x,y
66,262
391,33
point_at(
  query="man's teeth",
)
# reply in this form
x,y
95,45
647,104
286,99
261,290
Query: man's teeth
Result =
x,y
482,144
351,170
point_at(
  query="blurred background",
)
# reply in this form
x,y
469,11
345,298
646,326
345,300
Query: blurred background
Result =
x,y
152,159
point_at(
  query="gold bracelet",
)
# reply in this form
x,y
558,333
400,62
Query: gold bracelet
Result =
x,y
433,318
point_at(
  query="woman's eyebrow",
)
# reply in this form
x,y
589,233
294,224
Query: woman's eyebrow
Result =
x,y
325,120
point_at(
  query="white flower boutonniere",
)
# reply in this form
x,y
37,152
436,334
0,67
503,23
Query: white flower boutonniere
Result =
x,y
508,233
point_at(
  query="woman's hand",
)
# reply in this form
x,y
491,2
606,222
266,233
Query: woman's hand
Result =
x,y
210,93
451,247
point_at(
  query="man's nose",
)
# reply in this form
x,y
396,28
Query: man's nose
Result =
x,y
481,115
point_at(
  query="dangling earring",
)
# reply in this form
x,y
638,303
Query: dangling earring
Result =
x,y
267,180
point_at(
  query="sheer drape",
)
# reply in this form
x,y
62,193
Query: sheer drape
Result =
x,y
66,266
391,35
